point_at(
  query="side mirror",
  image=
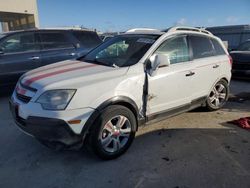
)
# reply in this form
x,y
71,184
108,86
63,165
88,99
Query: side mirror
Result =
x,y
158,61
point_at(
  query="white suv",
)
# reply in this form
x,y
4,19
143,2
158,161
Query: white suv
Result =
x,y
129,80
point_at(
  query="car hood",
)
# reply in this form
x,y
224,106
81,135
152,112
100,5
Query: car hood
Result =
x,y
241,56
70,74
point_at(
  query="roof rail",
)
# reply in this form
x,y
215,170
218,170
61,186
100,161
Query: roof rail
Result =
x,y
142,30
179,28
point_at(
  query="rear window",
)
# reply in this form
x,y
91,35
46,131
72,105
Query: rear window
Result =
x,y
218,48
55,40
87,39
202,47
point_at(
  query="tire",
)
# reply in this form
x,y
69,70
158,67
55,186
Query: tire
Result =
x,y
113,132
218,96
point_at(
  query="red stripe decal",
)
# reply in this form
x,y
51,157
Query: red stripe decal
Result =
x,y
20,90
30,81
58,66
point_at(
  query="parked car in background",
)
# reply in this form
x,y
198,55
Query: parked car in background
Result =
x,y
233,34
129,80
241,61
21,51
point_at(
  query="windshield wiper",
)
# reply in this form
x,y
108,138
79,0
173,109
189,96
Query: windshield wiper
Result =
x,y
101,63
95,62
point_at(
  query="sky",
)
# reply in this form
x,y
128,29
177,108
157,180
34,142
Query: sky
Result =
x,y
121,15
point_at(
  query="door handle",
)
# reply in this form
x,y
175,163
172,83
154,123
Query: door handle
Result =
x,y
34,58
72,54
216,66
190,73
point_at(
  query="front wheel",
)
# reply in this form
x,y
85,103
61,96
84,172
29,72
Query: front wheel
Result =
x,y
218,96
113,132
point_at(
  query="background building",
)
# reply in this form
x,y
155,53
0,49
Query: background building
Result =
x,y
18,14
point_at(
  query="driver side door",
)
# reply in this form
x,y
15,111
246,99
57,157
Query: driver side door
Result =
x,y
170,88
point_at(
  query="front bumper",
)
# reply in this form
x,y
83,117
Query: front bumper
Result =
x,y
49,129
49,125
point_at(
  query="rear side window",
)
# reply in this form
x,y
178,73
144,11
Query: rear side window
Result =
x,y
54,41
202,47
217,47
176,48
87,39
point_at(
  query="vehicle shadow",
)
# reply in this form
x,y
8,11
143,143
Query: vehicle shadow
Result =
x,y
238,102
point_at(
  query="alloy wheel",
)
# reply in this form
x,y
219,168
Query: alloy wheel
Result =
x,y
115,134
218,95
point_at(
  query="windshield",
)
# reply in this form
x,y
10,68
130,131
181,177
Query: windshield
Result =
x,y
244,46
121,51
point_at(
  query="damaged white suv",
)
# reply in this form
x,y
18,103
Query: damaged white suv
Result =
x,y
129,80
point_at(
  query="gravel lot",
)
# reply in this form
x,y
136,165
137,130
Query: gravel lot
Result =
x,y
195,149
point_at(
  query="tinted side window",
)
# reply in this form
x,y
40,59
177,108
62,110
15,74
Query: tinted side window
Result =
x,y
54,41
21,42
87,39
176,48
202,47
218,48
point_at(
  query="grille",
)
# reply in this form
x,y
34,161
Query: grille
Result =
x,y
23,98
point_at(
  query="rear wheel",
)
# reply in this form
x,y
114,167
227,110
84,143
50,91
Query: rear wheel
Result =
x,y
218,96
113,132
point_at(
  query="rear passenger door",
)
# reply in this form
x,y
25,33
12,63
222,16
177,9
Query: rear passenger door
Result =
x,y
55,46
207,65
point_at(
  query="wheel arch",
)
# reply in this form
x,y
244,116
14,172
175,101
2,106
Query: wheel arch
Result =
x,y
118,100
225,79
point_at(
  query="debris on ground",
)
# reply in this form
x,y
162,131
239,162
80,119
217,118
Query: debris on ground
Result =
x,y
166,158
242,122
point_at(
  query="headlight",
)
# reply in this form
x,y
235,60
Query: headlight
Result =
x,y
56,99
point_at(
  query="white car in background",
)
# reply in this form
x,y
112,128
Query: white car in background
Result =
x,y
129,80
